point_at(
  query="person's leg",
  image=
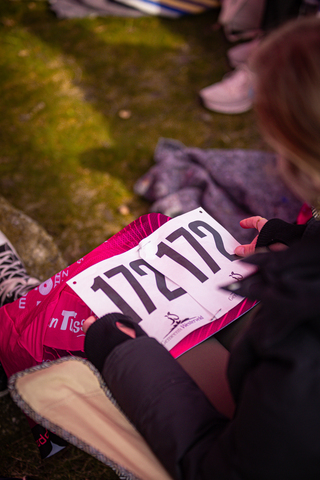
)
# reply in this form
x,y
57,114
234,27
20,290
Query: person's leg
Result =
x,y
276,13
228,335
239,54
234,93
14,283
207,363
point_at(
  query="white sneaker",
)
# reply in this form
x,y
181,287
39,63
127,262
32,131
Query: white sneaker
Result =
x,y
239,54
14,280
234,94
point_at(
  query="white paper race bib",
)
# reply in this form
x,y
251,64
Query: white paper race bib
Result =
x,y
196,252
169,283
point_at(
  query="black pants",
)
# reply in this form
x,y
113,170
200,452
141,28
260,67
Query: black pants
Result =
x,y
278,12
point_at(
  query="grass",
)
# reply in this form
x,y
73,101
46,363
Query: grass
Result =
x,y
19,454
69,160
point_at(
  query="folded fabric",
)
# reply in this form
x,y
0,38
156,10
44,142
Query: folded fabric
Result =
x,y
91,8
172,8
230,184
129,8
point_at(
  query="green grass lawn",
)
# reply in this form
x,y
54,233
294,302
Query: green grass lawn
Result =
x,y
69,160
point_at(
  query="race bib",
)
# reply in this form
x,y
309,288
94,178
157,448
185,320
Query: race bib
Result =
x,y
169,283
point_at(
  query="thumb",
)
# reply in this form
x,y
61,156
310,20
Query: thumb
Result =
x,y
248,249
90,320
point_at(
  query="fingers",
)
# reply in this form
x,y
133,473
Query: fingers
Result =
x,y
127,330
253,222
90,320
278,247
245,250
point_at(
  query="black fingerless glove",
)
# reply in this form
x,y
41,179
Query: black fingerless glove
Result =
x,y
104,335
279,231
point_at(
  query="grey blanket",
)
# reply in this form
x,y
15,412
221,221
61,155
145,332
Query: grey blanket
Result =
x,y
229,184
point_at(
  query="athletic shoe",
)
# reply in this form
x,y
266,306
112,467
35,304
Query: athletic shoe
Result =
x,y
14,280
240,54
3,382
234,94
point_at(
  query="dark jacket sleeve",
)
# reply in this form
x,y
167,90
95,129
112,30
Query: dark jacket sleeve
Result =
x,y
163,402
194,441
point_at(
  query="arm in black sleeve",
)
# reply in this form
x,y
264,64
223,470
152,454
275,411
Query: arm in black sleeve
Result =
x,y
164,403
191,438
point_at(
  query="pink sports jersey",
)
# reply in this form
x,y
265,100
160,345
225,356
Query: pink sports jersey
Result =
x,y
47,323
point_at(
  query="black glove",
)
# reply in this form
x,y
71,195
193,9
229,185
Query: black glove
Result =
x,y
104,335
279,231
